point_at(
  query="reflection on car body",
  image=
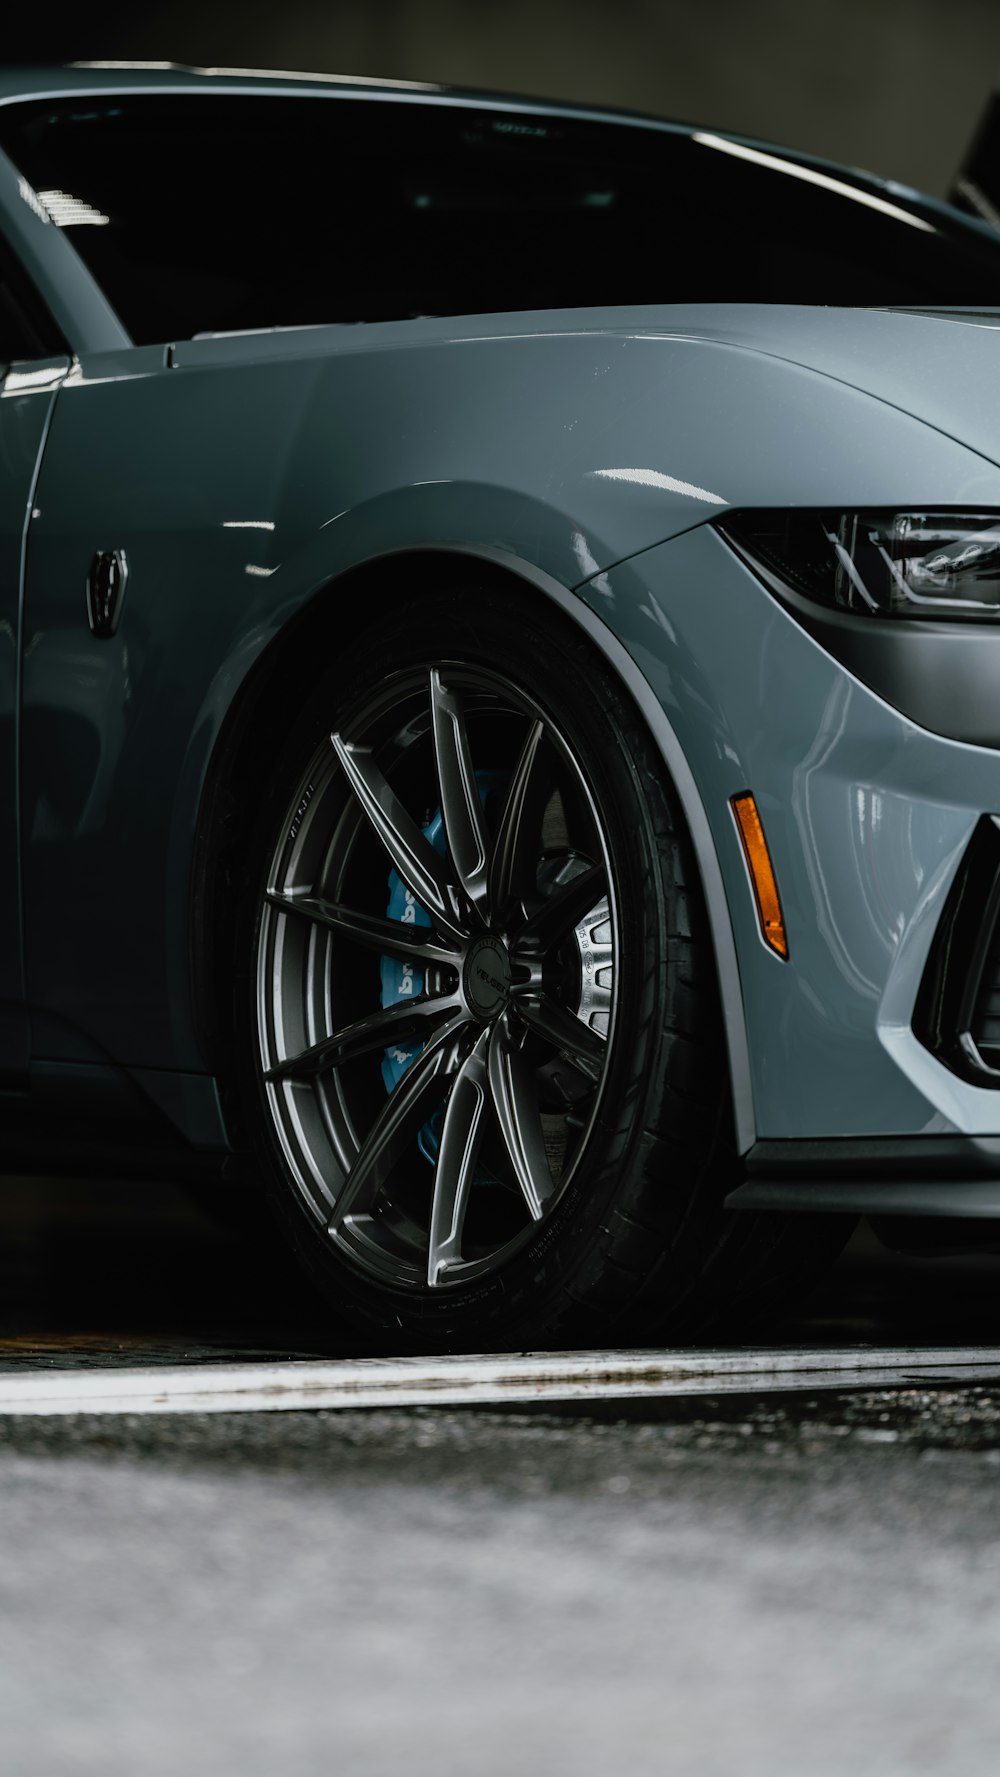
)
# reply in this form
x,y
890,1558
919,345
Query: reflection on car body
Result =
x,y
533,808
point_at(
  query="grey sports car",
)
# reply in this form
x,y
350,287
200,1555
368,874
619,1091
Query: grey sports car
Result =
x,y
499,664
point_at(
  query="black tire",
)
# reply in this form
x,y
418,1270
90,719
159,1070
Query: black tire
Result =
x,y
597,1217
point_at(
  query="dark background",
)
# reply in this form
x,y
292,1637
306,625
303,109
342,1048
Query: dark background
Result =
x,y
892,85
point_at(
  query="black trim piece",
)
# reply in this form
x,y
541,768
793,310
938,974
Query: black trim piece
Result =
x,y
949,1177
945,1015
885,1157
946,1199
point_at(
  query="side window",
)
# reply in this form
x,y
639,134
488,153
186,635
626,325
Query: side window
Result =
x,y
27,330
205,211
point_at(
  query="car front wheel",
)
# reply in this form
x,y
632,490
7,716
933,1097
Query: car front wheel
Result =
x,y
481,1059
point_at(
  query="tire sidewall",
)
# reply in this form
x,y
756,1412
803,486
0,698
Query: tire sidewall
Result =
x,y
562,673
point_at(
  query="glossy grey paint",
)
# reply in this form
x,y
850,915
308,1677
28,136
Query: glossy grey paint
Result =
x,y
943,367
866,817
246,479
942,675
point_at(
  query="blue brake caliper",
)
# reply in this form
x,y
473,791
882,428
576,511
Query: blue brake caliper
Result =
x,y
402,980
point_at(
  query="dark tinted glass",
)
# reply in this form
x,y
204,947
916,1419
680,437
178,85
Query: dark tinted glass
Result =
x,y
227,211
27,330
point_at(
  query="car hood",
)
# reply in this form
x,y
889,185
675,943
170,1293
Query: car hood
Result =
x,y
941,366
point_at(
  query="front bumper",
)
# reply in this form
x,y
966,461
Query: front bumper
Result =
x,y
868,817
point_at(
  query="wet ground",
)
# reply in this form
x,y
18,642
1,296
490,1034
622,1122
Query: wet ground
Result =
x,y
743,1586
805,1586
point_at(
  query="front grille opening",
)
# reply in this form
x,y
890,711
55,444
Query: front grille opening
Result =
x,y
957,1014
985,1029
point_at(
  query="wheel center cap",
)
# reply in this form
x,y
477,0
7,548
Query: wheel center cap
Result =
x,y
486,978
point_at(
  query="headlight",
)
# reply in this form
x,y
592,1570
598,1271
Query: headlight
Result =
x,y
942,565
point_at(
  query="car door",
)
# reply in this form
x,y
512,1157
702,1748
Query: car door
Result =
x,y
28,384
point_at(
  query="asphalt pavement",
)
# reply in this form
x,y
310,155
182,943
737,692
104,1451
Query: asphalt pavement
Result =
x,y
736,1586
743,1587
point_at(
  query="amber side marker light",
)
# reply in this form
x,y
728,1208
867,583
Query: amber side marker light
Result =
x,y
751,832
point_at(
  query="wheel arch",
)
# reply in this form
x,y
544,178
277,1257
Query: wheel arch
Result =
x,y
338,610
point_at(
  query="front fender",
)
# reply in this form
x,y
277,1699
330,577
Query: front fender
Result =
x,y
256,476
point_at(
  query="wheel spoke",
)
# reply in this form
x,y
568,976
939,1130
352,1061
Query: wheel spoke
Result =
x,y
565,1031
390,937
377,1030
396,1125
513,859
409,849
461,812
437,1082
563,909
512,1087
461,1135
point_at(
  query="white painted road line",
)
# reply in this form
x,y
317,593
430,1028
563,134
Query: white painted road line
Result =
x,y
483,1381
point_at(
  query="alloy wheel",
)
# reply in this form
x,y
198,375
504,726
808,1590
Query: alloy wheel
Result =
x,y
438,965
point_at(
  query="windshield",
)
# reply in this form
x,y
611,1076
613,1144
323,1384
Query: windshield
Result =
x,y
216,211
